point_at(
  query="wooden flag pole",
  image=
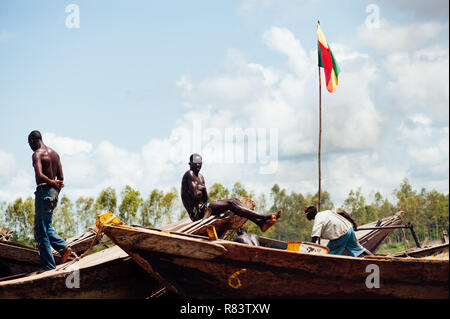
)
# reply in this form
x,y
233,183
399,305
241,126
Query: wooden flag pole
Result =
x,y
320,136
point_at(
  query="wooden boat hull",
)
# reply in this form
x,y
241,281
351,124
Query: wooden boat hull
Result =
x,y
244,271
433,252
16,258
108,274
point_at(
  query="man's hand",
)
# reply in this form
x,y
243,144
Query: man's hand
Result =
x,y
57,184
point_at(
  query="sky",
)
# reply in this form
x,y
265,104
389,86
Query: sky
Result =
x,y
125,91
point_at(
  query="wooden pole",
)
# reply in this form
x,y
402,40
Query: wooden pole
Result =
x,y
320,137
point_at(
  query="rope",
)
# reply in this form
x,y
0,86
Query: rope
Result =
x,y
96,240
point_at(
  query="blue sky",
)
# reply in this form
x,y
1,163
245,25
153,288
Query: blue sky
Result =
x,y
111,95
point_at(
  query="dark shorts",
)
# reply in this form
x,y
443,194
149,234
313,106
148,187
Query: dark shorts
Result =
x,y
198,211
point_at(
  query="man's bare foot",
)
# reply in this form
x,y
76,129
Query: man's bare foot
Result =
x,y
66,254
270,221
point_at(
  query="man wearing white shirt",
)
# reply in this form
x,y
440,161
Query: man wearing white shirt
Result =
x,y
338,229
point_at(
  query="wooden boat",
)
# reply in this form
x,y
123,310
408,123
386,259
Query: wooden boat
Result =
x,y
198,267
16,258
372,239
109,274
439,251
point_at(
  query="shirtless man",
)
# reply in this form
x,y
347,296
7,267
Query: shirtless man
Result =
x,y
49,181
195,199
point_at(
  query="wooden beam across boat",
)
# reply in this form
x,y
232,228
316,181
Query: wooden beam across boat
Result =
x,y
166,242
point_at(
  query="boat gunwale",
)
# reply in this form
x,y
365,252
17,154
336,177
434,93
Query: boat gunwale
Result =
x,y
228,244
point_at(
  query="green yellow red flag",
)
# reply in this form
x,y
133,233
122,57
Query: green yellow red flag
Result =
x,y
327,61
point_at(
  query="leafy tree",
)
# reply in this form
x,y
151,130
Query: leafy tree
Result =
x,y
325,200
292,225
239,191
64,219
19,217
158,206
131,201
150,212
383,207
217,192
86,213
106,201
168,204
2,213
427,210
355,204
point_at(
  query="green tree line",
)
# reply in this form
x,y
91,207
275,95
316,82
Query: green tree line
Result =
x,y
428,211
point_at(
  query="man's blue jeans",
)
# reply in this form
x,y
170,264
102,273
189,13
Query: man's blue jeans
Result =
x,y
45,202
348,242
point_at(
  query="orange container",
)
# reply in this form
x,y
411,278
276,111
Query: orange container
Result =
x,y
293,245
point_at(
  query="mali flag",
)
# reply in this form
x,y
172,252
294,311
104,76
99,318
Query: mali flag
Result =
x,y
327,61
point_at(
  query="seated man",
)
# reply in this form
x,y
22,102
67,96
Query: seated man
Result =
x,y
195,199
337,228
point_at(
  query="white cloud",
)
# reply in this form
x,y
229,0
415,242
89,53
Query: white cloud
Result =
x,y
367,171
284,41
66,145
8,163
399,38
21,184
246,94
415,130
419,81
432,158
80,170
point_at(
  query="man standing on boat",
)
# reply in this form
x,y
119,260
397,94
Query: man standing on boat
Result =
x,y
195,199
49,180
337,227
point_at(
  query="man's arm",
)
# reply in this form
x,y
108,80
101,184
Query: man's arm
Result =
x,y
316,232
205,191
59,174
